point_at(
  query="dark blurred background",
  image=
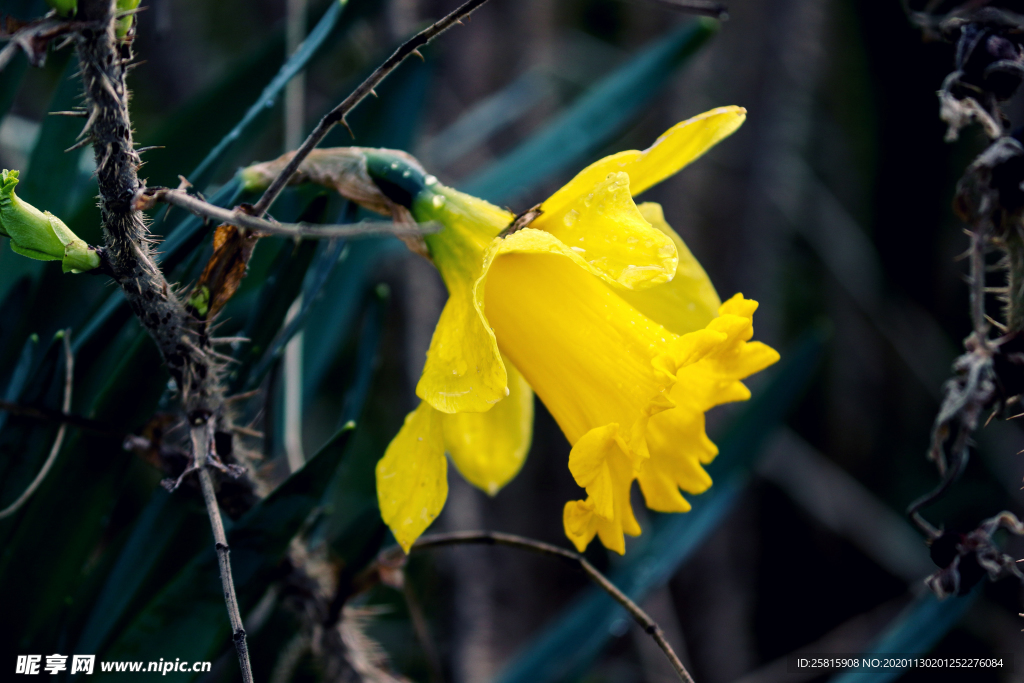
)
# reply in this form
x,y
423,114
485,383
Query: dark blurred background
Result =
x,y
830,206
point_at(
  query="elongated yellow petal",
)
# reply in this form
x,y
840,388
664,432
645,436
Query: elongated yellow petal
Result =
x,y
412,477
610,234
683,143
677,147
489,448
689,301
463,372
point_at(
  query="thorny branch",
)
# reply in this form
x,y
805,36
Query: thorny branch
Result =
x,y
989,376
104,63
184,345
58,441
146,197
338,114
394,557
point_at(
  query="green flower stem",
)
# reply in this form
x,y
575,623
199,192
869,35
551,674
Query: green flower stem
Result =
x,y
399,180
39,234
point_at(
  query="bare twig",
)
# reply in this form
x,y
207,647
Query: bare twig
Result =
x,y
145,198
338,114
69,370
202,442
496,538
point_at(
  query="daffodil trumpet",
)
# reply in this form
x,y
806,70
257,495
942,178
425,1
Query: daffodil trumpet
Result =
x,y
593,302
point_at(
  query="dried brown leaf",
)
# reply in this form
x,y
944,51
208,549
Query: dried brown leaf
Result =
x,y
223,273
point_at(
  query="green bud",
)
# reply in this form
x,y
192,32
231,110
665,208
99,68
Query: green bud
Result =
x,y
65,8
124,24
39,234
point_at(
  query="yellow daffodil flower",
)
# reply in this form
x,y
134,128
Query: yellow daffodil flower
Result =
x,y
597,305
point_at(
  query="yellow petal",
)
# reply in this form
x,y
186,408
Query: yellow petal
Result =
x,y
463,372
489,448
689,301
582,524
678,446
737,305
687,350
712,377
677,147
599,463
683,143
606,229
590,463
412,477
578,519
661,491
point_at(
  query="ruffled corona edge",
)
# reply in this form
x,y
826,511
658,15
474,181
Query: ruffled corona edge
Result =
x,y
666,447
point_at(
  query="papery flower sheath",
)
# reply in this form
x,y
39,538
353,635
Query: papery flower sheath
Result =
x,y
597,305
